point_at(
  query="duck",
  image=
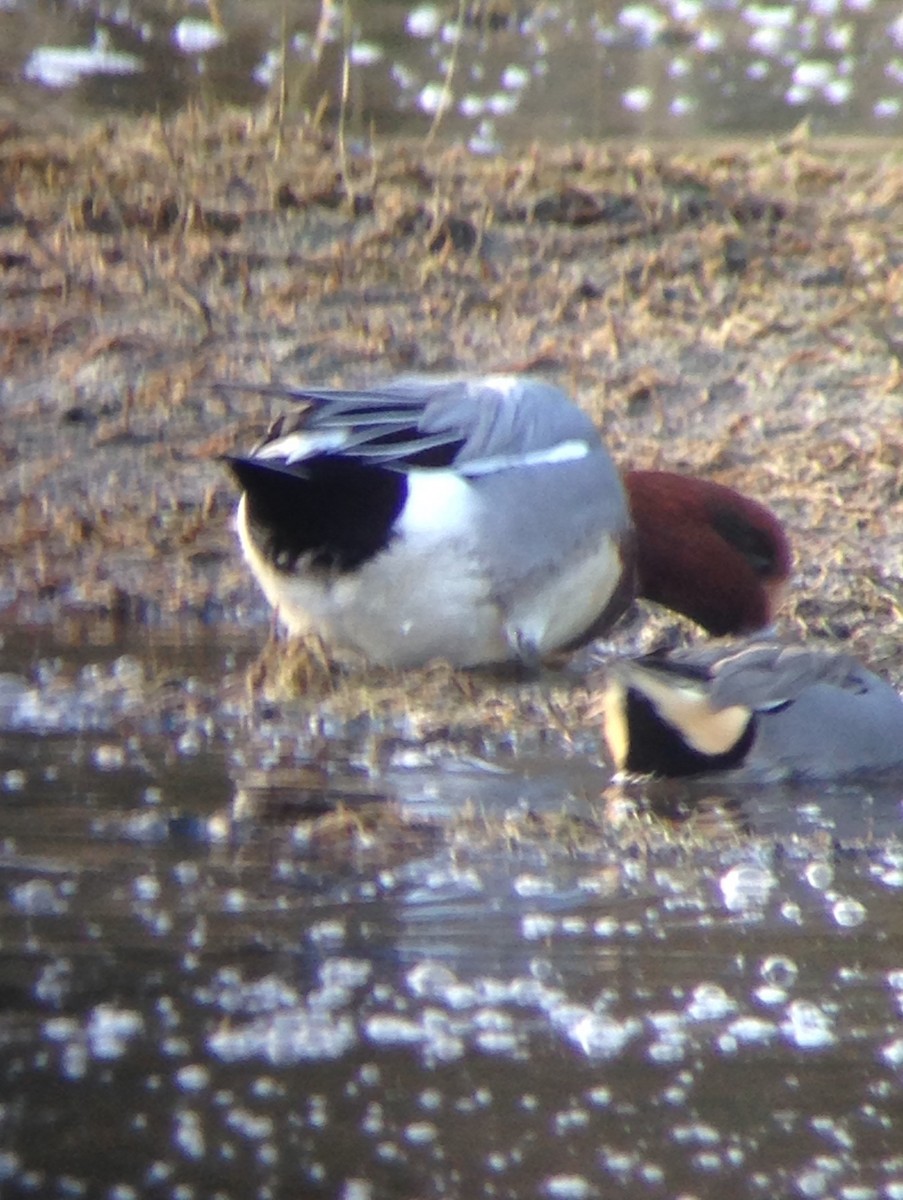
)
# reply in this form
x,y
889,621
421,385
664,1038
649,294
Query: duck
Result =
x,y
707,551
482,520
479,520
758,709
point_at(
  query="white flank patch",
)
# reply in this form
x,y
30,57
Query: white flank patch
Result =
x,y
297,446
439,503
564,452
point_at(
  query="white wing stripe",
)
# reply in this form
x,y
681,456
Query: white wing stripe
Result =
x,y
564,452
297,446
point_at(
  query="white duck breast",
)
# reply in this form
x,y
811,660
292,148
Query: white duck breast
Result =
x,y
474,520
764,709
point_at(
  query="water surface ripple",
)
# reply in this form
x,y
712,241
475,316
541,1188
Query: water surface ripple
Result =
x,y
515,983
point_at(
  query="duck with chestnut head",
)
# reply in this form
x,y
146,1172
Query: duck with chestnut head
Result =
x,y
482,520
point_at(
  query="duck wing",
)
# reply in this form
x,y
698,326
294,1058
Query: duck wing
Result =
x,y
478,426
767,676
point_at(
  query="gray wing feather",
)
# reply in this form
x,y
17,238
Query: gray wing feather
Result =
x,y
485,418
507,418
764,676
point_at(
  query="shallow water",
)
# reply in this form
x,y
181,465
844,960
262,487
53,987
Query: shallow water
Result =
x,y
497,73
205,993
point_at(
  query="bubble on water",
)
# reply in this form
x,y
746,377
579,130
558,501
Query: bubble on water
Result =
x,y
420,1133
819,875
515,76
637,99
749,1031
892,1053
888,106
190,743
364,54
534,885
431,979
146,887
389,1029
236,900
769,16
501,1042
109,1030
188,1134
434,98
838,91
813,1182
770,994
848,912
895,979
38,898
890,876
707,1160
10,1164
534,926
329,931
813,73
347,973
447,883
597,1035
431,1099
835,1129
807,1026
567,1187
424,20
286,1037
709,1002
492,1020
745,886
356,1189
195,36
670,1046
460,996
778,970
13,780
696,1133
232,994
500,104
54,982
472,106
61,1029
254,1126
192,1079
109,757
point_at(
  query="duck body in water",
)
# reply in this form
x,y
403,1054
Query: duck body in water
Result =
x,y
758,710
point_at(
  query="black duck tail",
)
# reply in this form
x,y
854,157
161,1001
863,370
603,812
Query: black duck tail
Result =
x,y
338,511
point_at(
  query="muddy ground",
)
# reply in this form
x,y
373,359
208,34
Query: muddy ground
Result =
x,y
733,311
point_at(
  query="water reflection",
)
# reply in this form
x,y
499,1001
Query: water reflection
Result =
x,y
491,74
473,978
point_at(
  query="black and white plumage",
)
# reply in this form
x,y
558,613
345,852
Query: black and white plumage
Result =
x,y
763,708
476,520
